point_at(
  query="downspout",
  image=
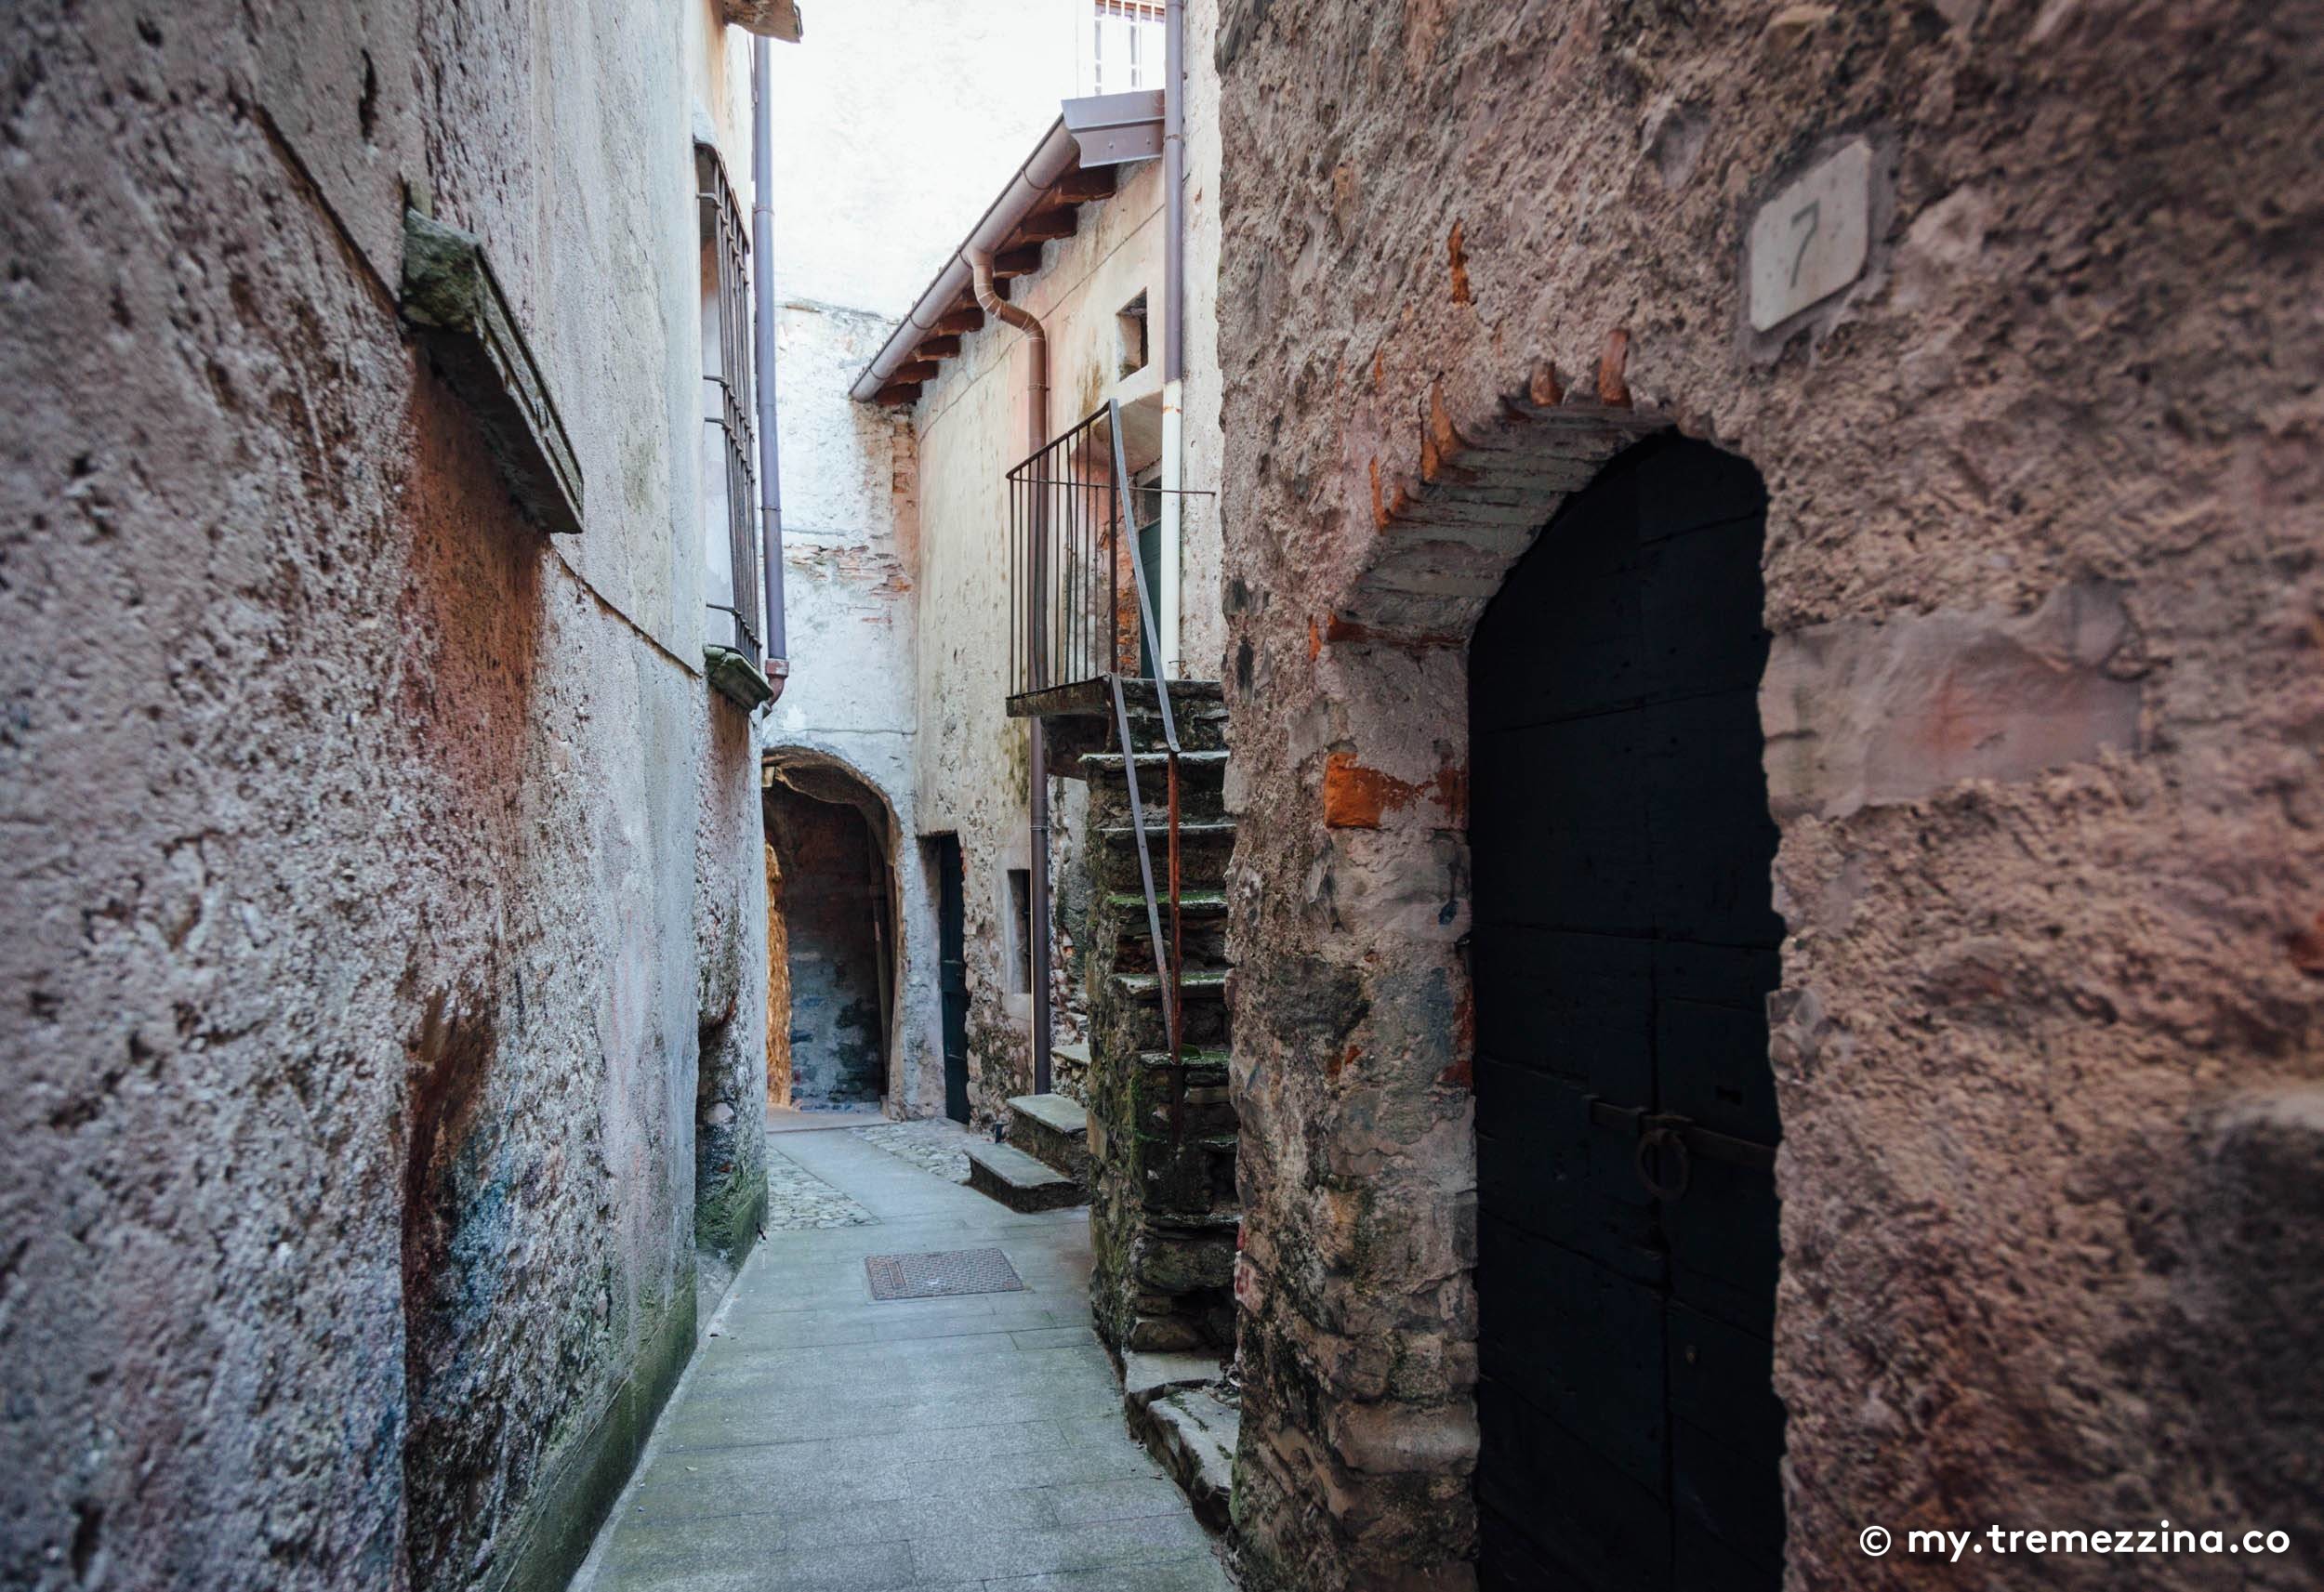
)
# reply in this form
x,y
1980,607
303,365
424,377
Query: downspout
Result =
x,y
762,359
1168,655
1036,436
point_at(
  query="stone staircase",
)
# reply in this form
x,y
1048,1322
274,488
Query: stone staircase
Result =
x,y
1164,1216
1044,1165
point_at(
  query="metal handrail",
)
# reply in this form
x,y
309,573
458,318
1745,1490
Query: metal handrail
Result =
x,y
1173,967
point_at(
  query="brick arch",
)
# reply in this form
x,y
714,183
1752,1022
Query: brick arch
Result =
x,y
827,776
1445,535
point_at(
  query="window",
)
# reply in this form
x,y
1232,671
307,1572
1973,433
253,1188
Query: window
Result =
x,y
730,545
1126,47
1019,931
1129,337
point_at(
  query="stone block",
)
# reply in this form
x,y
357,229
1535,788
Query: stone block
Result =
x,y
1861,713
1394,1439
1185,1263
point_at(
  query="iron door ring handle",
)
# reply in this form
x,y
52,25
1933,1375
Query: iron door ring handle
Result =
x,y
1660,1137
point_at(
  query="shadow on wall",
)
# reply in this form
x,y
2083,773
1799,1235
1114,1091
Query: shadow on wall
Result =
x,y
832,899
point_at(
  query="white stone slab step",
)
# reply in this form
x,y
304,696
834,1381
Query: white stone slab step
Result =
x,y
1053,1112
1018,1180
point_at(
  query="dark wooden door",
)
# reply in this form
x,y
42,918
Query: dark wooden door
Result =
x,y
952,973
1625,944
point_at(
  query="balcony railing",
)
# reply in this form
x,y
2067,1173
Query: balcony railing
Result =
x,y
1081,585
1074,573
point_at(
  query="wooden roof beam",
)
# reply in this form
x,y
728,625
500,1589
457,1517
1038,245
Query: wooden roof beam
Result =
x,y
1080,186
1017,262
898,394
936,349
1047,226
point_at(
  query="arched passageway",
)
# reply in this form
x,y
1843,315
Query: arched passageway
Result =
x,y
1624,946
831,893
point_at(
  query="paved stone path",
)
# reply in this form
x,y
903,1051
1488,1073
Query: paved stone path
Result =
x,y
797,1198
821,1443
934,1145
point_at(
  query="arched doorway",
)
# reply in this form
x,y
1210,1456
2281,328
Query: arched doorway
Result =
x,y
831,892
1624,946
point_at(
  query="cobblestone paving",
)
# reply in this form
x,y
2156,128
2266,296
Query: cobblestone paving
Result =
x,y
797,1198
938,1145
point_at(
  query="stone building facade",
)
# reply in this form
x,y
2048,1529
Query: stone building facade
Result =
x,y
2041,610
897,514
381,1014
884,181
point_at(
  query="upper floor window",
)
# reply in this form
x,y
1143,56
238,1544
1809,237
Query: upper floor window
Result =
x,y
1126,47
729,543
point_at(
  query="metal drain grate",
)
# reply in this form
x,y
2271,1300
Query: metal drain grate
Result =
x,y
942,1274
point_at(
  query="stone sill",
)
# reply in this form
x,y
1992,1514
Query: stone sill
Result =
x,y
736,679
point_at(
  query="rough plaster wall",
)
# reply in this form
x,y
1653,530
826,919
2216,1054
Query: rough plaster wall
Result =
x,y
851,598
830,878
352,972
2046,1028
731,920
970,759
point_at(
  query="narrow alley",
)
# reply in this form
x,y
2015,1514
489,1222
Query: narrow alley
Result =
x,y
1162,796
825,1442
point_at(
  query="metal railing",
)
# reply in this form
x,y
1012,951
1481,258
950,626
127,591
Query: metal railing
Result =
x,y
726,362
1072,571
1082,610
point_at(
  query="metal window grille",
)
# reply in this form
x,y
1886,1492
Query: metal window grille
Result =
x,y
726,398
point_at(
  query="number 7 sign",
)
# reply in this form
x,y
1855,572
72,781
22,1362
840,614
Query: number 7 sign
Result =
x,y
1810,239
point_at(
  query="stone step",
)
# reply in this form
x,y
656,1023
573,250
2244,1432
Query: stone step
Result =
x,y
1206,1066
1210,764
1080,717
1204,849
1200,984
1191,1432
1158,829
1055,1130
1005,1173
1128,1011
1191,904
1201,786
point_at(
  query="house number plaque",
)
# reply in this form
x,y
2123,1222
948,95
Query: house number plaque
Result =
x,y
1810,240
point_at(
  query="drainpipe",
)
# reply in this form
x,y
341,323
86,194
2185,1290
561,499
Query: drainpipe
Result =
x,y
1168,654
762,359
1036,435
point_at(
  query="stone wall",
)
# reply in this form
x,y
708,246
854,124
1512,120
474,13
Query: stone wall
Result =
x,y
2042,567
377,861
